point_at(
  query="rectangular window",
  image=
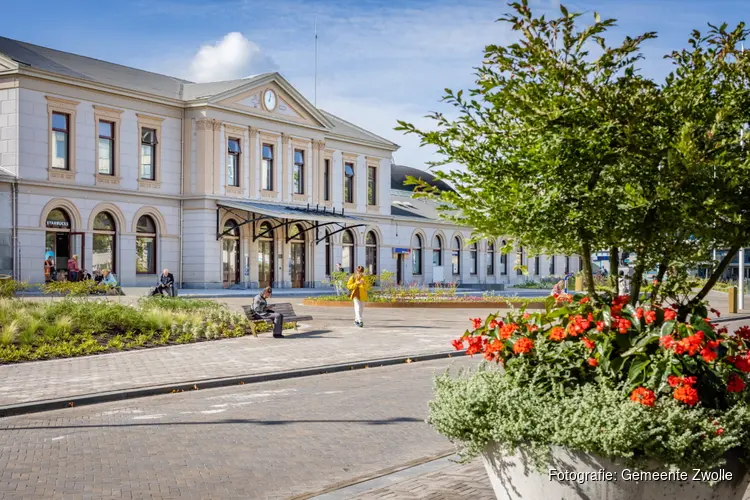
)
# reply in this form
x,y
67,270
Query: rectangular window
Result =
x,y
148,154
233,163
537,265
491,261
106,148
266,173
298,176
326,180
60,134
567,265
145,257
552,265
349,182
372,177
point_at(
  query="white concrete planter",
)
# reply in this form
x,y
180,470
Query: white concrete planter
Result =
x,y
514,477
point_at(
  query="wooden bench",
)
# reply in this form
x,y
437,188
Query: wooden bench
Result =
x,y
284,308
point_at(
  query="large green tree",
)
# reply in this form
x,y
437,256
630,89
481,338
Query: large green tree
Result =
x,y
568,149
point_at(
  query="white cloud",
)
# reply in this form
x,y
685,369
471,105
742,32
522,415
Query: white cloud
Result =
x,y
234,56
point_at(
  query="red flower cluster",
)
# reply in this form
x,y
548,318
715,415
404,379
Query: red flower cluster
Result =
x,y
588,342
523,345
557,333
492,350
600,326
592,362
476,323
742,362
494,324
507,330
743,332
618,303
669,314
644,396
685,391
622,324
650,317
578,324
735,383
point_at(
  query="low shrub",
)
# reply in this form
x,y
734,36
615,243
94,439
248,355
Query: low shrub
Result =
x,y
74,288
74,327
9,287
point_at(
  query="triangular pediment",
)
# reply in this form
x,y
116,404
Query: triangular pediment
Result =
x,y
290,105
6,63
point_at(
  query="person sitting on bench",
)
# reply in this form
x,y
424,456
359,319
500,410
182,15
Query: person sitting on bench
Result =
x,y
165,285
261,310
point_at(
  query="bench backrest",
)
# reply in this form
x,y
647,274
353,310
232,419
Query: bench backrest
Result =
x,y
284,308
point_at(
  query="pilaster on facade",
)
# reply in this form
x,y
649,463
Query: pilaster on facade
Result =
x,y
205,154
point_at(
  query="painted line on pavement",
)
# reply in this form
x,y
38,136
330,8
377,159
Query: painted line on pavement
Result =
x,y
345,490
178,387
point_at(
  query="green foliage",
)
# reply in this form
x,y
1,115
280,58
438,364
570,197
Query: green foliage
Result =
x,y
74,288
416,294
9,287
487,406
568,149
73,327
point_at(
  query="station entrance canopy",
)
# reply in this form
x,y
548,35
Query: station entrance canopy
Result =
x,y
280,215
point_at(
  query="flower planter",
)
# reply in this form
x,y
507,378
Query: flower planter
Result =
x,y
515,477
429,305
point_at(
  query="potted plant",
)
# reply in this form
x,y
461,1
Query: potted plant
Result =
x,y
603,399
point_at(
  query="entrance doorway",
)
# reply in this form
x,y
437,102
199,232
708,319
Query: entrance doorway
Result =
x,y
298,256
230,254
61,244
265,256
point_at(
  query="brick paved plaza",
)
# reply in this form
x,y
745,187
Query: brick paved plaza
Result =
x,y
270,440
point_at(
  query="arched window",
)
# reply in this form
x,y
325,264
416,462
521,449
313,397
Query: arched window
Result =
x,y
104,243
473,257
504,260
519,271
490,259
347,251
145,246
371,253
456,256
416,255
437,251
329,254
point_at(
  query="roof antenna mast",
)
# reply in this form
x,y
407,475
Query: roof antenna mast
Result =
x,y
315,98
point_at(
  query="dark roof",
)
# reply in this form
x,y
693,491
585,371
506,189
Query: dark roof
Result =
x,y
87,68
405,213
400,172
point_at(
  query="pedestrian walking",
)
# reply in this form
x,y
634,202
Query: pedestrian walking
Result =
x,y
623,284
358,286
73,270
261,311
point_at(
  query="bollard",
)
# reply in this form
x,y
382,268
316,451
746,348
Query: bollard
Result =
x,y
732,298
579,283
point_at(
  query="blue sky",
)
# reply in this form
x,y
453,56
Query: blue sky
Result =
x,y
378,61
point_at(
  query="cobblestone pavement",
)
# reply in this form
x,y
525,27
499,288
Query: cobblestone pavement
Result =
x,y
452,482
271,440
330,338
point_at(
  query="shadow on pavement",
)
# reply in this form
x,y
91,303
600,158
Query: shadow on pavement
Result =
x,y
389,421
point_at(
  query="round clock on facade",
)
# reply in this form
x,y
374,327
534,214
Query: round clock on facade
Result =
x,y
269,99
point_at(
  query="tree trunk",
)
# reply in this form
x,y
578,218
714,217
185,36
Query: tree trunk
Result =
x,y
659,278
588,273
685,309
614,266
635,285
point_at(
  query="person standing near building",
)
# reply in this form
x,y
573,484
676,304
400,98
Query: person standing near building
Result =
x,y
358,286
73,268
623,284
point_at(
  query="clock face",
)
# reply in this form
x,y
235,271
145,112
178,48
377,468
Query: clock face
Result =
x,y
269,99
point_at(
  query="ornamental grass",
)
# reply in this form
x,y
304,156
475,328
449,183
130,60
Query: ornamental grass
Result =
x,y
624,382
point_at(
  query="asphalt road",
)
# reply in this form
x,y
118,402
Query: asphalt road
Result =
x,y
261,441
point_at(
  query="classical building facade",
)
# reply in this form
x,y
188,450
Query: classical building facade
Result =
x,y
240,183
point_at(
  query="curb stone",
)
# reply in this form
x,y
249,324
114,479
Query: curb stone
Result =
x,y
160,390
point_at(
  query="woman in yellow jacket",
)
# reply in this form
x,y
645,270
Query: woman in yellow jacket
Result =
x,y
358,286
